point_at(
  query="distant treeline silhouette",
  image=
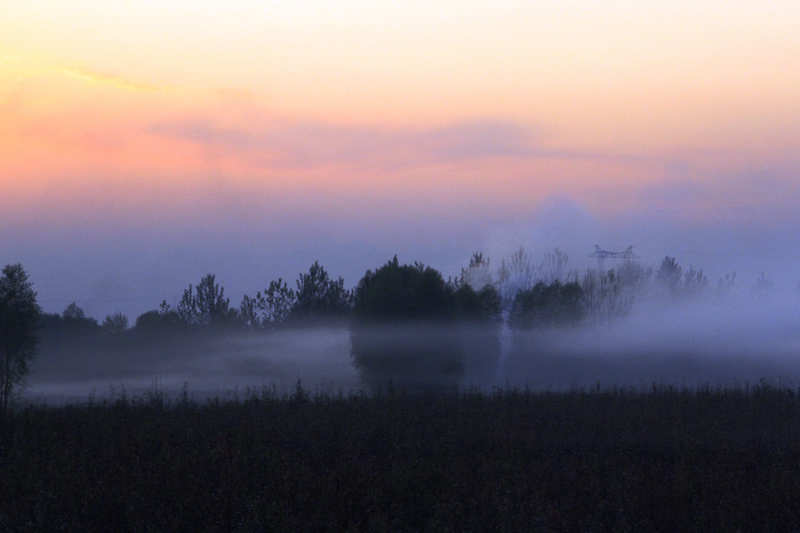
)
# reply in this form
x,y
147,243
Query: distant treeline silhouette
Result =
x,y
407,322
537,295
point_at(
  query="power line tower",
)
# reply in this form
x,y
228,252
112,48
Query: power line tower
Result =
x,y
601,256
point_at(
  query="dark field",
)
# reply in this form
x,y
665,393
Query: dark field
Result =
x,y
665,459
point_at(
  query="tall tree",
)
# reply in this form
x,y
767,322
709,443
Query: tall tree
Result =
x,y
205,304
276,303
19,319
319,297
478,274
517,273
669,275
248,312
269,309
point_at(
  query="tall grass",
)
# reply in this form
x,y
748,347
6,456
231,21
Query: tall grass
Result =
x,y
604,459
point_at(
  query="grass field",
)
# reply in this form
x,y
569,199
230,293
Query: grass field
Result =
x,y
597,460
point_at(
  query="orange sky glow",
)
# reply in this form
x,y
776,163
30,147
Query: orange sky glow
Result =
x,y
496,105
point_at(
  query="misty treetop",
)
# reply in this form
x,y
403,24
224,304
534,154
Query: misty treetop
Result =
x,y
679,283
611,294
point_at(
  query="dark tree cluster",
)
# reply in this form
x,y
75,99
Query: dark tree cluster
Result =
x,y
317,300
72,342
605,296
548,305
203,309
412,327
72,321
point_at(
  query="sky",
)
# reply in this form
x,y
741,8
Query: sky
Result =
x,y
145,144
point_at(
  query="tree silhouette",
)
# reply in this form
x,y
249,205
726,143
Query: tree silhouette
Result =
x,y
669,275
694,282
74,322
763,286
405,327
318,297
472,305
478,274
611,294
248,314
269,309
516,273
73,312
156,322
478,327
115,324
554,266
205,304
276,303
19,319
402,292
548,305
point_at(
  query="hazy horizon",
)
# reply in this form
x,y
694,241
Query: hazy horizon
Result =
x,y
145,145
110,273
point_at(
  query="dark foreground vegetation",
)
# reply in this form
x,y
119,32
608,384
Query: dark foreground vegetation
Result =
x,y
665,459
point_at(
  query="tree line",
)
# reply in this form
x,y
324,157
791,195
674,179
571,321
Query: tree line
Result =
x,y
395,313
536,294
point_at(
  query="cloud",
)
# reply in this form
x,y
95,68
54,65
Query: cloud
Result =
x,y
311,143
486,138
120,82
737,198
300,144
205,132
